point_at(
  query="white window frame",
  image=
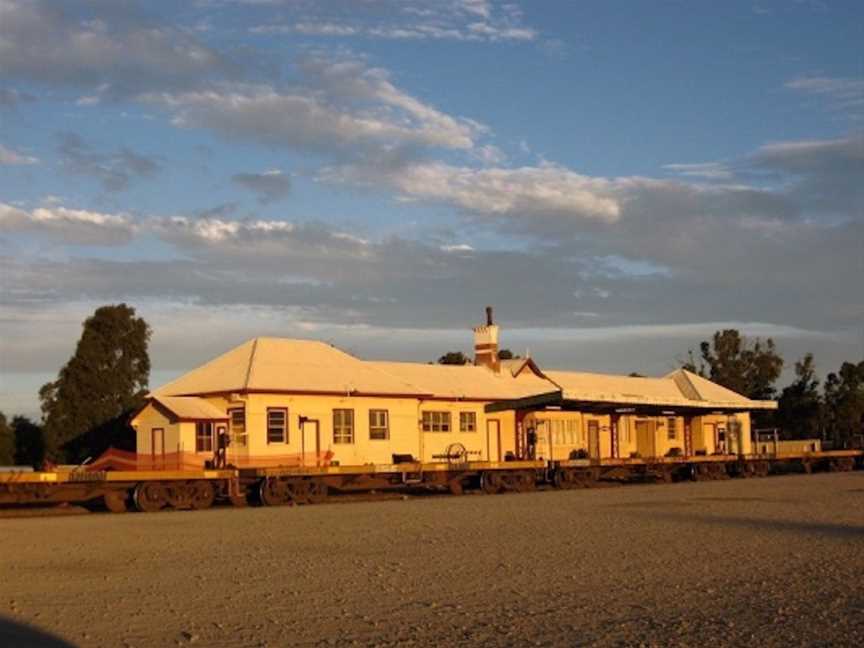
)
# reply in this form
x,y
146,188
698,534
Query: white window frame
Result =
x,y
671,429
343,426
467,421
283,426
436,421
200,437
239,433
379,424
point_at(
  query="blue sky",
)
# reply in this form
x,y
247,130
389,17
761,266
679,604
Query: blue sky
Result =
x,y
618,179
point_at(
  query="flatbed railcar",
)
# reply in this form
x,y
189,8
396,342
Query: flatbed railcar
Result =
x,y
155,490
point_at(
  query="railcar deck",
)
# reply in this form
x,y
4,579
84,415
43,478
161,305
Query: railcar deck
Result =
x,y
155,490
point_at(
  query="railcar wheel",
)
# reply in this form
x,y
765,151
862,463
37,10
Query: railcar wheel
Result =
x,y
524,482
115,501
203,495
273,492
318,491
490,483
179,495
298,491
149,497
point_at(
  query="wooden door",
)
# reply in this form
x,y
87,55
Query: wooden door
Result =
x,y
310,443
645,442
157,448
594,439
493,440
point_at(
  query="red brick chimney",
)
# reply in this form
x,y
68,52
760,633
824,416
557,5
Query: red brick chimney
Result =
x,y
486,343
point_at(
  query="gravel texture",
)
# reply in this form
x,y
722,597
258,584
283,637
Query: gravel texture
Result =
x,y
764,562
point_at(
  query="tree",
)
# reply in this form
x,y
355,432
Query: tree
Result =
x,y
731,360
7,442
507,354
29,442
454,358
101,383
800,405
844,403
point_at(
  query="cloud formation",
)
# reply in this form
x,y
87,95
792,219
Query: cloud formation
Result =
x,y
73,226
78,43
454,20
9,157
337,106
114,171
270,186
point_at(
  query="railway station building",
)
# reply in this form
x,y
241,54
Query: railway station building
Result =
x,y
288,402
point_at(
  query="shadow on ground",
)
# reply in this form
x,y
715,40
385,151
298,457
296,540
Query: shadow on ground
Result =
x,y
18,635
843,531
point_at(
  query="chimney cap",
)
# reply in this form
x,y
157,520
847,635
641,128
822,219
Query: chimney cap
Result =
x,y
489,321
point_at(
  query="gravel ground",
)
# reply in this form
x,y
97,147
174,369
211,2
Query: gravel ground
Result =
x,y
770,562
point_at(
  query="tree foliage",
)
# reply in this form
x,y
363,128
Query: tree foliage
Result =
x,y
103,381
748,367
454,358
29,442
7,442
507,354
844,402
799,411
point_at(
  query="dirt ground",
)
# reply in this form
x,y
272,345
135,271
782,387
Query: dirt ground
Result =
x,y
770,562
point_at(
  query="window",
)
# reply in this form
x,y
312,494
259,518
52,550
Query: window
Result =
x,y
238,427
436,421
467,422
277,425
203,436
343,426
379,425
672,428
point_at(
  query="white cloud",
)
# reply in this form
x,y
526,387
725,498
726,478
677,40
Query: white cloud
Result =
x,y
458,20
707,170
523,192
340,105
13,158
81,44
843,93
77,226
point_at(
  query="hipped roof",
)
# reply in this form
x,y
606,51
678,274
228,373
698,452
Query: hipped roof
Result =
x,y
308,366
677,389
285,365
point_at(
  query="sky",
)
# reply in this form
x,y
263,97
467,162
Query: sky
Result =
x,y
618,179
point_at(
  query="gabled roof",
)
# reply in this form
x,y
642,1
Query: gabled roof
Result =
x,y
190,408
698,388
517,365
286,365
465,381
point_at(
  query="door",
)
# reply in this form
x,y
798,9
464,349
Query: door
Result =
x,y
645,432
310,443
594,439
493,440
157,448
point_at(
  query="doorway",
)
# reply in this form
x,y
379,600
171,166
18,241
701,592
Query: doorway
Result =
x,y
493,440
645,438
157,448
310,442
594,439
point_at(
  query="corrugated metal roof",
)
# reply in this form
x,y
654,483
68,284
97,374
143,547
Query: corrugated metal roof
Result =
x,y
297,366
280,364
466,381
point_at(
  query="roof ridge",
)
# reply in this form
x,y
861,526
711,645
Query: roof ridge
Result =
x,y
251,363
685,375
